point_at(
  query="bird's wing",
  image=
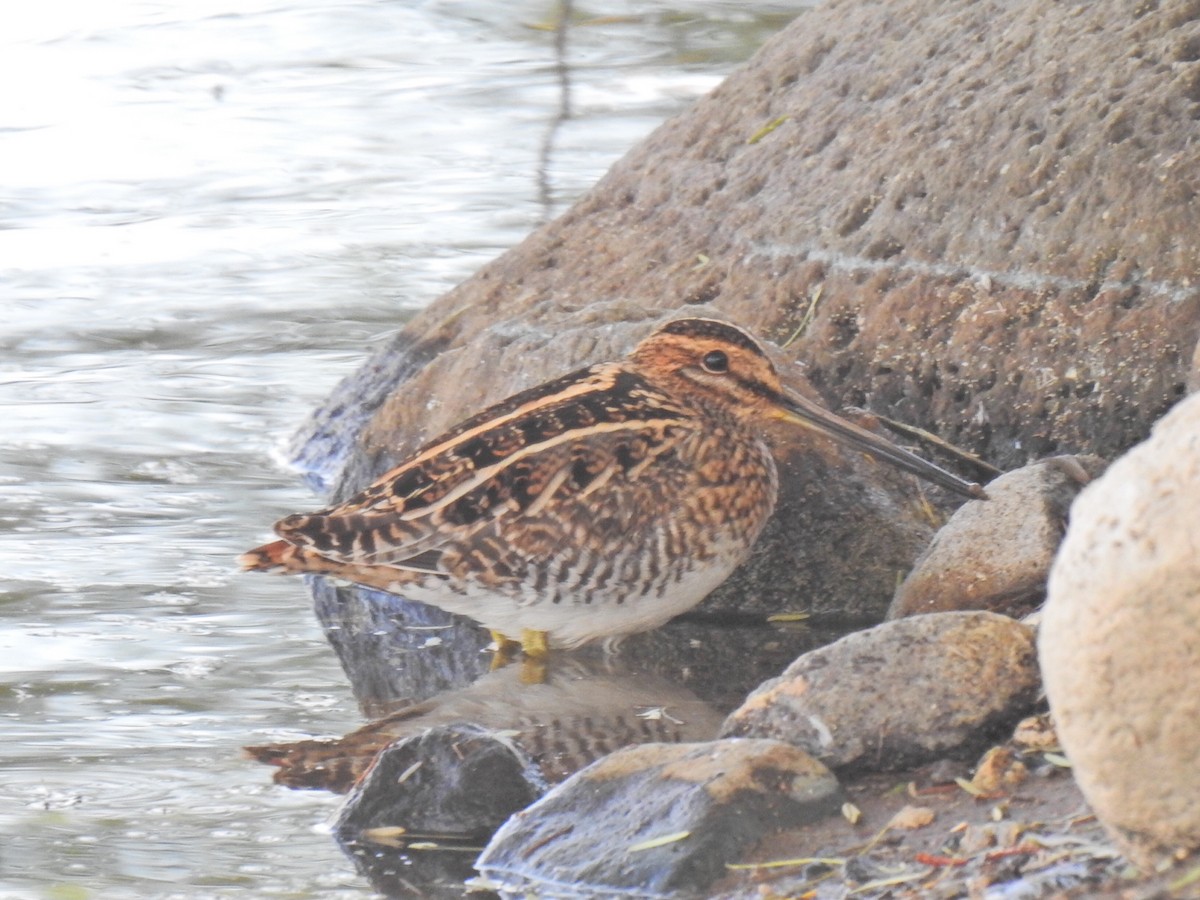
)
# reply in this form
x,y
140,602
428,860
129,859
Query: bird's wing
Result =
x,y
570,436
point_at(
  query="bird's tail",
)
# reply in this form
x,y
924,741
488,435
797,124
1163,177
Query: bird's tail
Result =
x,y
285,558
277,556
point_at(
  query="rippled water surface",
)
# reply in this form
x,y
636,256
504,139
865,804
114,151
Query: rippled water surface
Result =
x,y
209,211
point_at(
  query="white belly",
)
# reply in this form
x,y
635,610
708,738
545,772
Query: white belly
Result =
x,y
574,617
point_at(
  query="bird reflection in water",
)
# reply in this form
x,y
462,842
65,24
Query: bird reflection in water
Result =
x,y
413,668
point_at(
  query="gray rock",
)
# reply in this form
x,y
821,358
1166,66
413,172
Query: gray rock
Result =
x,y
1120,641
456,781
996,555
598,833
900,694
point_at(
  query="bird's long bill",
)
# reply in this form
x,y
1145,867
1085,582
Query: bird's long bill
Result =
x,y
796,409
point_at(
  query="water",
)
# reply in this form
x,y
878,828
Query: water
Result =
x,y
210,210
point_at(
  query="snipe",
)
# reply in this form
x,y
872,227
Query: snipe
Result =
x,y
599,504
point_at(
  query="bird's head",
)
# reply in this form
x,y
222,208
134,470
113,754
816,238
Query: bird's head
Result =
x,y
714,363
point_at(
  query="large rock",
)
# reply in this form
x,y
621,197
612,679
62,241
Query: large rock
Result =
x,y
974,217
900,694
1120,641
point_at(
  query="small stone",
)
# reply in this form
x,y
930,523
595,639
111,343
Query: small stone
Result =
x,y
460,781
1036,734
900,694
909,818
996,554
1120,642
977,838
998,772
658,819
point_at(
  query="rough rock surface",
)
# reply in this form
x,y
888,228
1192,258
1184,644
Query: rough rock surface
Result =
x,y
657,820
996,555
1120,641
900,694
974,217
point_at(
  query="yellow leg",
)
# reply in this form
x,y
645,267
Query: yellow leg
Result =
x,y
537,653
506,649
533,670
535,644
536,648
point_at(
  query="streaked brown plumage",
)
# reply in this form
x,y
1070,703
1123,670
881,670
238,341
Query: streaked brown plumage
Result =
x,y
599,504
584,709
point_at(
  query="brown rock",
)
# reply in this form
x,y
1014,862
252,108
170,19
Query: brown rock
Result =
x,y
899,694
1120,641
977,218
996,554
658,819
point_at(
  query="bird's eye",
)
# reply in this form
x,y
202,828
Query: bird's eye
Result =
x,y
716,362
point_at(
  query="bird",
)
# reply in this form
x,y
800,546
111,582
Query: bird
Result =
x,y
599,504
